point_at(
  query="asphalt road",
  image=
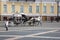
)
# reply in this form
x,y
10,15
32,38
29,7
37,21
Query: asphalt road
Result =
x,y
48,31
38,34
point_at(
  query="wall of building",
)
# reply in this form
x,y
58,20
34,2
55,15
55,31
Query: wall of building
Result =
x,y
26,6
0,10
0,6
18,4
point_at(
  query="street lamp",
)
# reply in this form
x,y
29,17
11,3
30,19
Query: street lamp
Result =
x,y
57,1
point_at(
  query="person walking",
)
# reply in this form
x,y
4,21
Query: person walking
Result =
x,y
6,25
52,19
40,20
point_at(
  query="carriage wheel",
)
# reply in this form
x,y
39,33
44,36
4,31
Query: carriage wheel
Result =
x,y
33,23
36,23
29,23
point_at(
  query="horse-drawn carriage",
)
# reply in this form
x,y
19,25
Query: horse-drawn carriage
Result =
x,y
24,19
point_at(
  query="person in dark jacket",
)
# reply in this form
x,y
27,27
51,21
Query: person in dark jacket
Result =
x,y
57,19
52,19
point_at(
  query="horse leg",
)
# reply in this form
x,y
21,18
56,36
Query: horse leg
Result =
x,y
40,23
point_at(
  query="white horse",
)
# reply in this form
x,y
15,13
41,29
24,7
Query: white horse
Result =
x,y
39,20
36,20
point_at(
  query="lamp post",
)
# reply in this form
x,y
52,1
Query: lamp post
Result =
x,y
57,1
57,8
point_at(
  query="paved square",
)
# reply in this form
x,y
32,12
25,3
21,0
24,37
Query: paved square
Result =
x,y
48,31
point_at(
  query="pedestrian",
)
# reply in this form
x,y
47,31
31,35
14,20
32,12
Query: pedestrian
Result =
x,y
52,19
57,19
40,20
6,25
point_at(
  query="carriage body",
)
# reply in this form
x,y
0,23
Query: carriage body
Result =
x,y
24,19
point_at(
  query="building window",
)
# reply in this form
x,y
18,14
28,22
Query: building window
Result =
x,y
31,0
5,8
44,0
30,9
13,8
37,9
52,9
17,0
52,0
59,9
44,9
48,0
21,8
13,0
